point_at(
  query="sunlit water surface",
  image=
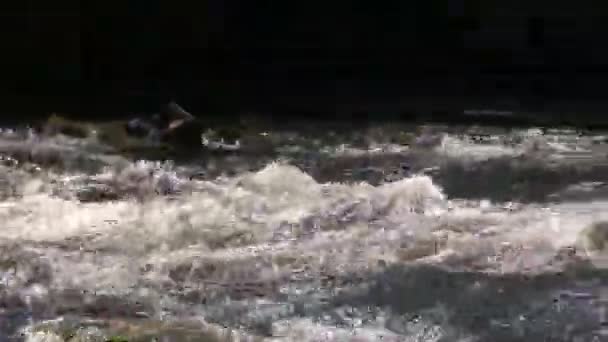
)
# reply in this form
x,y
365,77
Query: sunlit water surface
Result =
x,y
340,236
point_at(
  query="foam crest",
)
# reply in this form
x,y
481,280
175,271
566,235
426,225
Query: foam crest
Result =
x,y
276,245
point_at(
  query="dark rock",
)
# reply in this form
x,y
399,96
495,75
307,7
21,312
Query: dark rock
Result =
x,y
97,193
176,127
139,128
185,133
56,124
173,125
175,112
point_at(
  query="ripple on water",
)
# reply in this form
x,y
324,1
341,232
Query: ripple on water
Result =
x,y
278,251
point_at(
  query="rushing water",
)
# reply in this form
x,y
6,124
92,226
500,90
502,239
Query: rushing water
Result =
x,y
342,236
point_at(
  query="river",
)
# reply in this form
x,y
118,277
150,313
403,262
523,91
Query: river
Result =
x,y
382,233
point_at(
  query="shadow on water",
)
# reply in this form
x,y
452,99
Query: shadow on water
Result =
x,y
30,272
498,179
513,307
508,179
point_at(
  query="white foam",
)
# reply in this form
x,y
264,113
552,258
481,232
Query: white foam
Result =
x,y
241,225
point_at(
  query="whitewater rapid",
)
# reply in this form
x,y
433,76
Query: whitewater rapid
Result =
x,y
282,252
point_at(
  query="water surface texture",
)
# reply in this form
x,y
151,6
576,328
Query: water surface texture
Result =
x,y
383,233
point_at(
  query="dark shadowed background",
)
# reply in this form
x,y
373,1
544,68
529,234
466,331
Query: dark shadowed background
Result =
x,y
317,59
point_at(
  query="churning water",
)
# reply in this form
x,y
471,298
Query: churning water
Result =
x,y
347,236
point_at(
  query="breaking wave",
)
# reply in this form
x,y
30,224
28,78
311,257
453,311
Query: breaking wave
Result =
x,y
282,252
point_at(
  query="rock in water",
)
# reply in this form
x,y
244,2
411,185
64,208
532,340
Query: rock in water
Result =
x,y
175,126
184,130
186,134
176,112
139,128
171,117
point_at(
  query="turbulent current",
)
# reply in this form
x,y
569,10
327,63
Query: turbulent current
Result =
x,y
468,234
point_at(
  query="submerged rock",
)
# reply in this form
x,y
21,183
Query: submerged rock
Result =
x,y
97,193
139,128
57,124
